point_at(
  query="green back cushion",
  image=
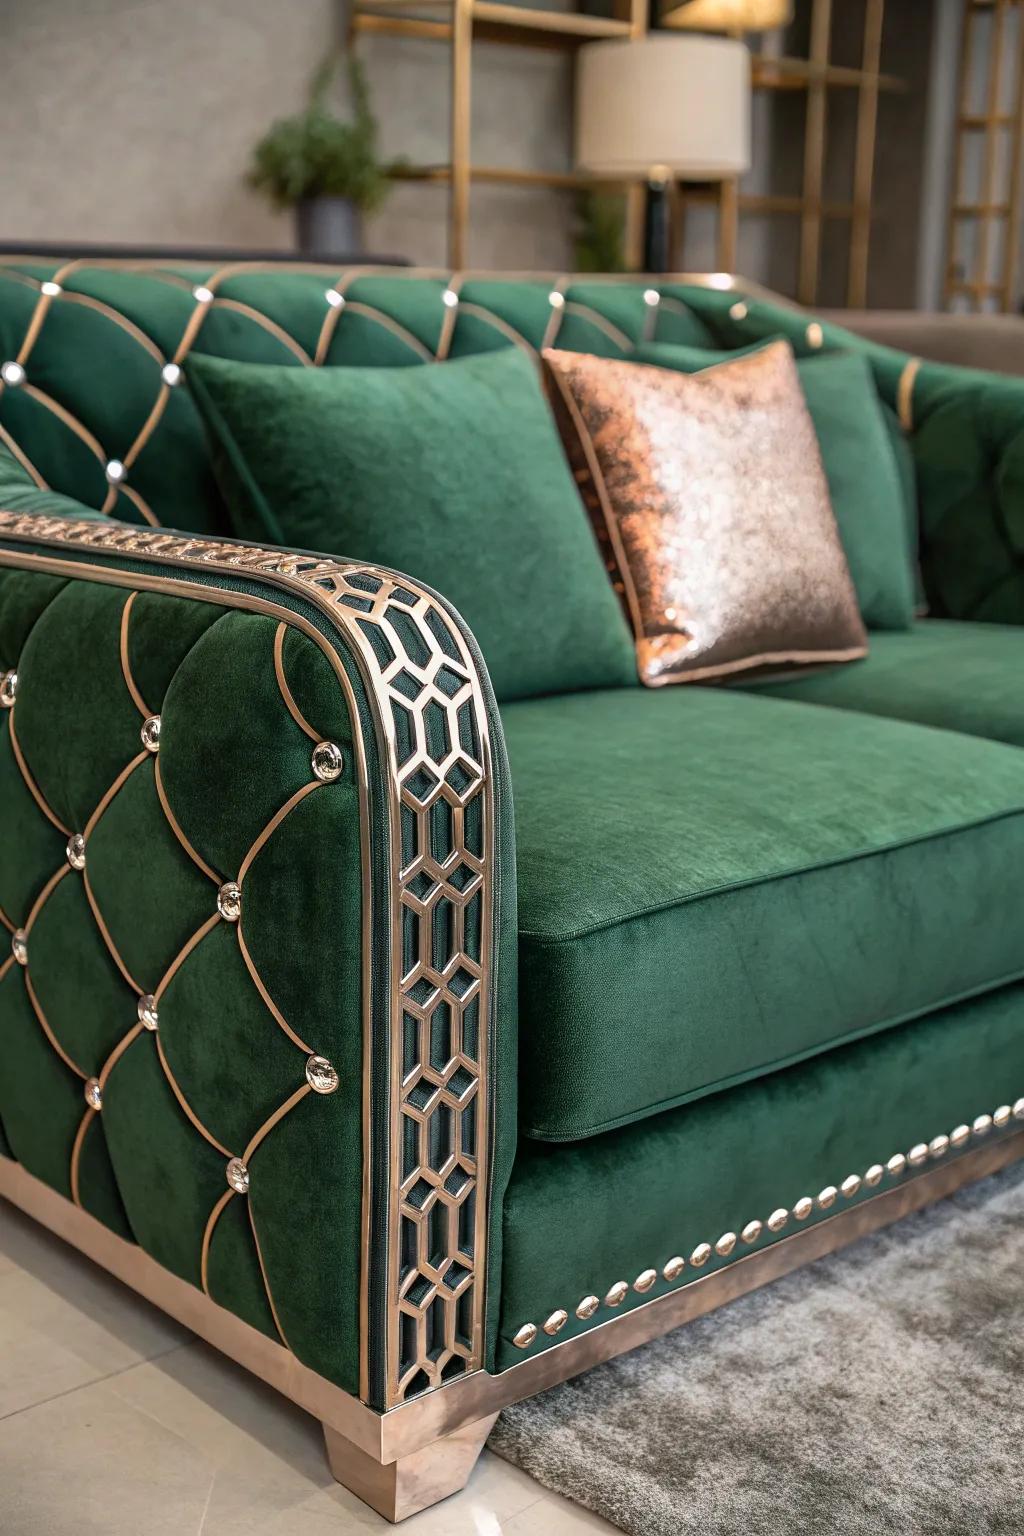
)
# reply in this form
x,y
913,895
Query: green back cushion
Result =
x,y
870,473
455,474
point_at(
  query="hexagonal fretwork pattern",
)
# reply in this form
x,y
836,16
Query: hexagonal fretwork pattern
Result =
x,y
433,735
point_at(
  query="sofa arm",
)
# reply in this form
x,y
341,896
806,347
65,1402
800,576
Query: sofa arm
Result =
x,y
259,881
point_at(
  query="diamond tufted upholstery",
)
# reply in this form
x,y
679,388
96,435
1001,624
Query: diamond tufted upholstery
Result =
x,y
99,410
241,1006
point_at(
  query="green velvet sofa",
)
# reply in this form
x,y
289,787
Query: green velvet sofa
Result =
x,y
412,1103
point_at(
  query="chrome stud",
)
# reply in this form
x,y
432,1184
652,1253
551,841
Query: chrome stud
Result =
x,y
617,1294
335,299
51,289
449,298
148,1017
328,762
674,1268
815,335
202,294
171,374
587,1307
12,374
556,299
738,311
850,1186
321,1076
229,901
803,1208
938,1146
700,1255
115,472
982,1125
76,851
918,1154
897,1164
874,1175
752,1231
526,1335
94,1094
828,1196
19,946
556,1321
1002,1116
725,1245
651,297
237,1175
645,1280
150,733
8,689
777,1220
960,1135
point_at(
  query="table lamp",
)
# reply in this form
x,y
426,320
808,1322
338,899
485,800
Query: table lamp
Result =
x,y
659,108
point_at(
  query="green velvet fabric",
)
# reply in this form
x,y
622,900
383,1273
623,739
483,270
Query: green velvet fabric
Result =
x,y
955,675
231,757
580,1218
872,493
453,474
702,874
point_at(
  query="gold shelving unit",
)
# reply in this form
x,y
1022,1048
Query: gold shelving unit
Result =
x,y
983,230
461,23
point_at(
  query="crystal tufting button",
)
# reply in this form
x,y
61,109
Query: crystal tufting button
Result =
x,y
19,946
449,298
328,762
815,335
51,289
76,851
8,689
150,733
320,1075
556,299
229,901
12,374
335,299
171,374
237,1175
94,1094
148,1016
115,472
202,294
738,311
651,297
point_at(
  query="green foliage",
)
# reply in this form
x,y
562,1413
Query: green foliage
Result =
x,y
315,153
600,232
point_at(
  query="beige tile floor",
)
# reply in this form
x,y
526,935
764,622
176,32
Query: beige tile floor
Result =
x,y
116,1422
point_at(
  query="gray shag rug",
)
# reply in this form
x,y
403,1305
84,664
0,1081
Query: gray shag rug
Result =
x,y
878,1391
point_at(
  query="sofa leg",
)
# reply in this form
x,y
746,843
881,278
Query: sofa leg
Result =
x,y
397,1489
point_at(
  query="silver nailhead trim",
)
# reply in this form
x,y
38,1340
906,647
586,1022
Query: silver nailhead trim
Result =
x,y
851,1186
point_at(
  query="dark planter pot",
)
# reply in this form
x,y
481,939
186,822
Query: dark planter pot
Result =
x,y
328,226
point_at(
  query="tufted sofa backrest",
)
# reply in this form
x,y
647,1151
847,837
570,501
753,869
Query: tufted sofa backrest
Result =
x,y
94,403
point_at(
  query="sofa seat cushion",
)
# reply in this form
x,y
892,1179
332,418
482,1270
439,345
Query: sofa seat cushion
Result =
x,y
961,676
713,885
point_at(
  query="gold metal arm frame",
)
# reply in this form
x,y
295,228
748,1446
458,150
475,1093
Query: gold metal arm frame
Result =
x,y
413,658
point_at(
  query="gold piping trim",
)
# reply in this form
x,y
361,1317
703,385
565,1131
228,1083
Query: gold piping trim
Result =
x,y
282,683
16,452
357,307
273,824
596,319
30,782
211,1222
116,317
137,499
71,422
125,774
275,1119
106,935
48,1032
258,983
44,895
5,921
76,1153
444,340
118,1051
265,322
176,829
5,966
263,1272
905,394
186,1106
182,956
126,668
498,324
554,324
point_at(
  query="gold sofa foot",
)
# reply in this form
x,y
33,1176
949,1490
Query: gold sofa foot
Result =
x,y
398,1489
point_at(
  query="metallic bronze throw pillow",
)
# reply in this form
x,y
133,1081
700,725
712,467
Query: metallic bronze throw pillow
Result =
x,y
710,502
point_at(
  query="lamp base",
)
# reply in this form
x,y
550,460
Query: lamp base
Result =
x,y
657,226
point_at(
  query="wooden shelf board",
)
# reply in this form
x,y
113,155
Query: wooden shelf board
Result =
x,y
491,22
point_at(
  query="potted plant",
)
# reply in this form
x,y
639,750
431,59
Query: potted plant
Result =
x,y
324,166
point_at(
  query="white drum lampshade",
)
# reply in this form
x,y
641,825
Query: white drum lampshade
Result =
x,y
663,105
